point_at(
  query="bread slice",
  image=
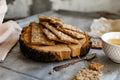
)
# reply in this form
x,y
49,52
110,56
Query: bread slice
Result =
x,y
69,27
72,33
26,34
50,35
63,37
37,36
96,66
47,19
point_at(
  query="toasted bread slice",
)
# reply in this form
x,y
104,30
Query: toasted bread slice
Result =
x,y
96,66
72,33
96,44
63,37
47,19
50,35
26,34
69,27
37,36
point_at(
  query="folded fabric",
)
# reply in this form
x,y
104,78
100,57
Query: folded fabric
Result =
x,y
9,35
103,25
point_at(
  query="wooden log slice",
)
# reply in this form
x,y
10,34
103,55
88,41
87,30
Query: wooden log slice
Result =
x,y
56,52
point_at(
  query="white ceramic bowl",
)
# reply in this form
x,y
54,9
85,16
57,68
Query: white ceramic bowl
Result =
x,y
111,50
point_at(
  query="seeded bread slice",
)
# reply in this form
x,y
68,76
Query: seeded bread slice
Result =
x,y
48,19
69,27
37,36
50,35
63,37
72,33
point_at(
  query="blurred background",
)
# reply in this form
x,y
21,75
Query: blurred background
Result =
x,y
23,8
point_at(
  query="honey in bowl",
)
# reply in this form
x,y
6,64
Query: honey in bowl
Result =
x,y
114,41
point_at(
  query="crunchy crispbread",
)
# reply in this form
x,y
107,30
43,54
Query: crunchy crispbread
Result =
x,y
69,27
63,37
26,33
96,66
71,33
37,36
48,19
49,34
96,44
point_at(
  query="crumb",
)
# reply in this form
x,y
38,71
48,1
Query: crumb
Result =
x,y
108,71
50,73
88,74
92,73
96,66
118,70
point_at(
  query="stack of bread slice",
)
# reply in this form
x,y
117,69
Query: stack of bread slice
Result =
x,y
52,40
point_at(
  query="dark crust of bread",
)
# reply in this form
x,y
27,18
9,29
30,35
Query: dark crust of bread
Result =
x,y
36,55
